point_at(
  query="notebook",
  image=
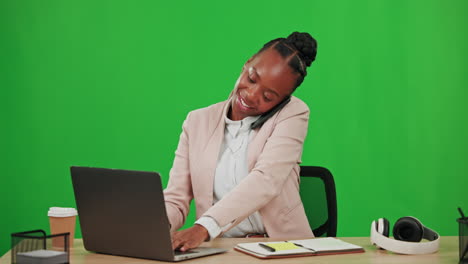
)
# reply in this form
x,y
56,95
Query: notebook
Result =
x,y
122,212
298,248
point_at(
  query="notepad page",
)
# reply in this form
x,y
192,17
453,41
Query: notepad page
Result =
x,y
326,244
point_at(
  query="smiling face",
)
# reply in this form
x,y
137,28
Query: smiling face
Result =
x,y
266,79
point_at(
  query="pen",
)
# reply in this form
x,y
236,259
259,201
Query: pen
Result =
x,y
299,245
461,212
267,247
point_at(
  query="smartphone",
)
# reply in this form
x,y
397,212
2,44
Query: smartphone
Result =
x,y
263,118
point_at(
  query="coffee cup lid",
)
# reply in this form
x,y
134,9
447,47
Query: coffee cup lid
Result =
x,y
61,212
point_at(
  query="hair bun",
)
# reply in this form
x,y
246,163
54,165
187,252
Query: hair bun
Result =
x,y
305,44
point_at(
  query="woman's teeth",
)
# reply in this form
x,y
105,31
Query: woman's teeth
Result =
x,y
244,104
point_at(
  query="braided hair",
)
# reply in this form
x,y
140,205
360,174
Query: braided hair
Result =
x,y
302,47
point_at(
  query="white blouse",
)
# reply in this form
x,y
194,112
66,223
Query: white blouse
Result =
x,y
230,170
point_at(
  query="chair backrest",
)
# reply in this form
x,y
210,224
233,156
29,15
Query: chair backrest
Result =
x,y
318,195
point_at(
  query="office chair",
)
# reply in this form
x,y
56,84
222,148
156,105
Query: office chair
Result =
x,y
318,195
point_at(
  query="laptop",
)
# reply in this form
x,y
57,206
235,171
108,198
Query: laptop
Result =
x,y
122,212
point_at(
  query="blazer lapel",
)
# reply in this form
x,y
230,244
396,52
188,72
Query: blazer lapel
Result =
x,y
257,143
252,149
211,152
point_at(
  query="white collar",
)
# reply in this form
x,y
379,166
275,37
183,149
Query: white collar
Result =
x,y
235,126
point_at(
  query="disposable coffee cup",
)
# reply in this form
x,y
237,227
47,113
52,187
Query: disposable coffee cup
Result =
x,y
62,220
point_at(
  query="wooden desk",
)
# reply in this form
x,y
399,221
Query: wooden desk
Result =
x,y
448,253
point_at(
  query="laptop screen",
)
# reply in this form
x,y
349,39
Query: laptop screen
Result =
x,y
122,212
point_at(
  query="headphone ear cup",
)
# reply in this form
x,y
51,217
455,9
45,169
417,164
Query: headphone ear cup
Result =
x,y
408,229
383,226
386,227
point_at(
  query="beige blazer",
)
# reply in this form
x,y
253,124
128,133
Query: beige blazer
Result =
x,y
271,187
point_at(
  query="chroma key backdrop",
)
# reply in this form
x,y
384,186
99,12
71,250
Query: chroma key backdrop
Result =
x,y
108,84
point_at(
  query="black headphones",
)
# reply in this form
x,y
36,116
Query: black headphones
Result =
x,y
408,231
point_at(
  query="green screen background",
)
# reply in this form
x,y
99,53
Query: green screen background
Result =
x,y
109,83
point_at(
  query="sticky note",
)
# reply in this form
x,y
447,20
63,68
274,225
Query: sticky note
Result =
x,y
282,246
